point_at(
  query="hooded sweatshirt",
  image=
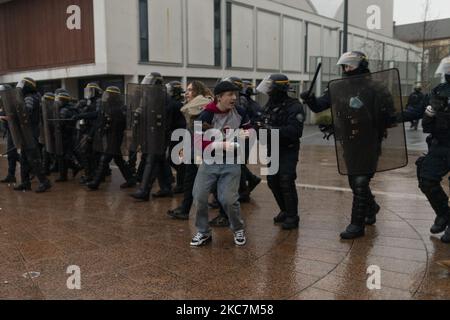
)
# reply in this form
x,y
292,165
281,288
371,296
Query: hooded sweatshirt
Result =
x,y
213,118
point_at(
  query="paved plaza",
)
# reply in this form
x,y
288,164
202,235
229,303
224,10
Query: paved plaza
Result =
x,y
130,250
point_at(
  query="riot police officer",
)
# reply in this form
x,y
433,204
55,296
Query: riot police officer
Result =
x,y
175,92
87,114
12,153
287,115
30,158
365,208
156,161
436,164
66,126
108,138
416,101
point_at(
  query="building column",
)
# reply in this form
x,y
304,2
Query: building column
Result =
x,y
71,85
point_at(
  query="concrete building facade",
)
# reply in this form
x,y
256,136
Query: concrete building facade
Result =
x,y
187,39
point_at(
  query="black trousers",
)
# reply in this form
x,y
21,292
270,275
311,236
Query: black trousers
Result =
x,y
105,160
12,154
283,184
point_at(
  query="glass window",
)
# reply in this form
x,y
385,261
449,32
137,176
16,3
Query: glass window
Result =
x,y
217,33
229,39
143,30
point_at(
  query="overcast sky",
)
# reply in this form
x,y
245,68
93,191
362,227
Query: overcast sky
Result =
x,y
405,11
409,11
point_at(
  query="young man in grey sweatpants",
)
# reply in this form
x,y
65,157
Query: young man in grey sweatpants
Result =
x,y
221,114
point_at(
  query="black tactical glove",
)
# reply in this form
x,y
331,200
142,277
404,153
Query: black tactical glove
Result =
x,y
306,96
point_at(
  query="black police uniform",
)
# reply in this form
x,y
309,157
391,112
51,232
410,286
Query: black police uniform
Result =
x,y
287,115
364,208
436,164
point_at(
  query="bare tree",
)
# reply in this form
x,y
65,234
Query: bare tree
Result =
x,y
428,28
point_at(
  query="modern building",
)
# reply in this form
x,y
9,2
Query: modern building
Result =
x,y
434,38
71,42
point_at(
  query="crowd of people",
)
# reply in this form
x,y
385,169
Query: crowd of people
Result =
x,y
54,133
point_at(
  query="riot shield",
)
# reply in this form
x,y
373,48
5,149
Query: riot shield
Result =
x,y
18,119
364,109
134,116
48,131
109,135
147,106
56,126
154,99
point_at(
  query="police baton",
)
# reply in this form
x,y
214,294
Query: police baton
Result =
x,y
316,75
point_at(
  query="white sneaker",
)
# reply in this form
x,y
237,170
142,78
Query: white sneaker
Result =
x,y
239,238
200,239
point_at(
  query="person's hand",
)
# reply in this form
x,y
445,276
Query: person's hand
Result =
x,y
245,134
305,96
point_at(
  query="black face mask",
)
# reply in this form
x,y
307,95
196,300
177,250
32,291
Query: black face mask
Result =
x,y
356,72
447,77
278,96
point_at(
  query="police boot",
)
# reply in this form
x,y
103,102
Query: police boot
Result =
x,y
62,171
9,179
289,193
356,229
446,237
291,223
440,224
24,186
44,183
126,173
143,194
99,175
374,208
439,202
44,186
280,217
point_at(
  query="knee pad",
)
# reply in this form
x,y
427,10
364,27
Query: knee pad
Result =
x,y
360,186
428,186
419,165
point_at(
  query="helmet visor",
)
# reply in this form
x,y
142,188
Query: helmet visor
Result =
x,y
265,87
444,67
89,93
350,59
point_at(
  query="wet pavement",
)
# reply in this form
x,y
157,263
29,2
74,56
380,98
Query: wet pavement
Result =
x,y
130,250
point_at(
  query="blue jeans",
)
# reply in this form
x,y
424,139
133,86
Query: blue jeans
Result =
x,y
227,177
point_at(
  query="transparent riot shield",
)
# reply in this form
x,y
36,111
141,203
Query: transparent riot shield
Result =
x,y
364,110
109,136
47,126
18,119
